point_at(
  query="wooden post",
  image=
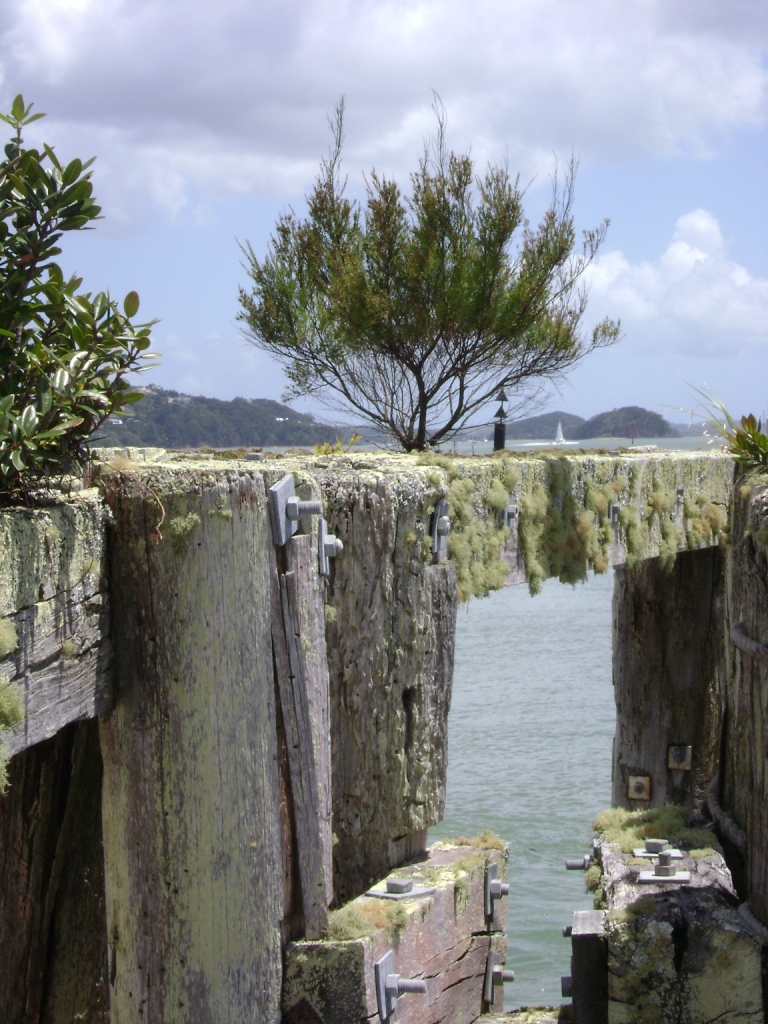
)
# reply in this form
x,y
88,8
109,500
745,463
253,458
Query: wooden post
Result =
x,y
192,828
298,636
744,767
53,932
668,675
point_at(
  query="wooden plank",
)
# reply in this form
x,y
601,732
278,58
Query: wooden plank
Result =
x,y
53,591
443,939
302,674
192,829
668,675
63,664
744,767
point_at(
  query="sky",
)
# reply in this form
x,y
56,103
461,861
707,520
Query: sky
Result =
x,y
209,120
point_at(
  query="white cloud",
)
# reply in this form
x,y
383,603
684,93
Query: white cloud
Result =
x,y
694,300
185,101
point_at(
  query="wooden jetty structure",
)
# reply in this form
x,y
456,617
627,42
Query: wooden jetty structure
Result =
x,y
234,726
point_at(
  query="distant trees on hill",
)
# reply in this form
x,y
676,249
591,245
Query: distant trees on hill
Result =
x,y
619,423
168,419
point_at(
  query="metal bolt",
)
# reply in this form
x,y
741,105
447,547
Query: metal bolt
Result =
x,y
328,546
294,508
494,975
397,986
665,868
511,511
286,509
390,986
656,845
494,888
581,864
399,885
440,527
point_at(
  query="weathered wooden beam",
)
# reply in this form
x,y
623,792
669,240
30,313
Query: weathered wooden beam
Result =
x,y
744,767
677,951
668,677
298,638
192,826
442,939
53,596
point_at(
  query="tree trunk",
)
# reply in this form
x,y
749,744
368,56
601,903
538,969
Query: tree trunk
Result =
x,y
668,674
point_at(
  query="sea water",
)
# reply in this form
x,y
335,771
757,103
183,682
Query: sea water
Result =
x,y
529,756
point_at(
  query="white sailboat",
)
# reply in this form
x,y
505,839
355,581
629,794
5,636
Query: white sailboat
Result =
x,y
559,439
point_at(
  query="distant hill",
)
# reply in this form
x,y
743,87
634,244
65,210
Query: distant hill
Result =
x,y
544,427
619,423
169,419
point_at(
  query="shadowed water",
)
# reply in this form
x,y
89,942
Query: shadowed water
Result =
x,y
530,733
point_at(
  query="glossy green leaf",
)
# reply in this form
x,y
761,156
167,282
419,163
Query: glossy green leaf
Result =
x,y
131,304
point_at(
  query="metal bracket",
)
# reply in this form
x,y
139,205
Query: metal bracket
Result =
x,y
401,889
511,512
494,975
286,509
283,528
494,889
578,864
328,546
390,986
440,527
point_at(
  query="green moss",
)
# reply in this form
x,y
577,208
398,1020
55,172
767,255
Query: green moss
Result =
x,y
11,714
630,829
8,639
497,496
361,919
485,840
70,649
179,529
330,613
592,877
510,475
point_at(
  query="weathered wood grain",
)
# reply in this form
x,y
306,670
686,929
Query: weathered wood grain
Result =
x,y
53,932
192,828
443,939
53,591
678,952
298,632
668,674
390,642
744,767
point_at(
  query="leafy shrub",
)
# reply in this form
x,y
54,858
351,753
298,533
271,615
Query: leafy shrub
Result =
x,y
65,355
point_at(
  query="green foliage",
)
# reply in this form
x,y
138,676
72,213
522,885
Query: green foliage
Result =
x,y
747,443
618,423
169,419
339,447
415,310
64,354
